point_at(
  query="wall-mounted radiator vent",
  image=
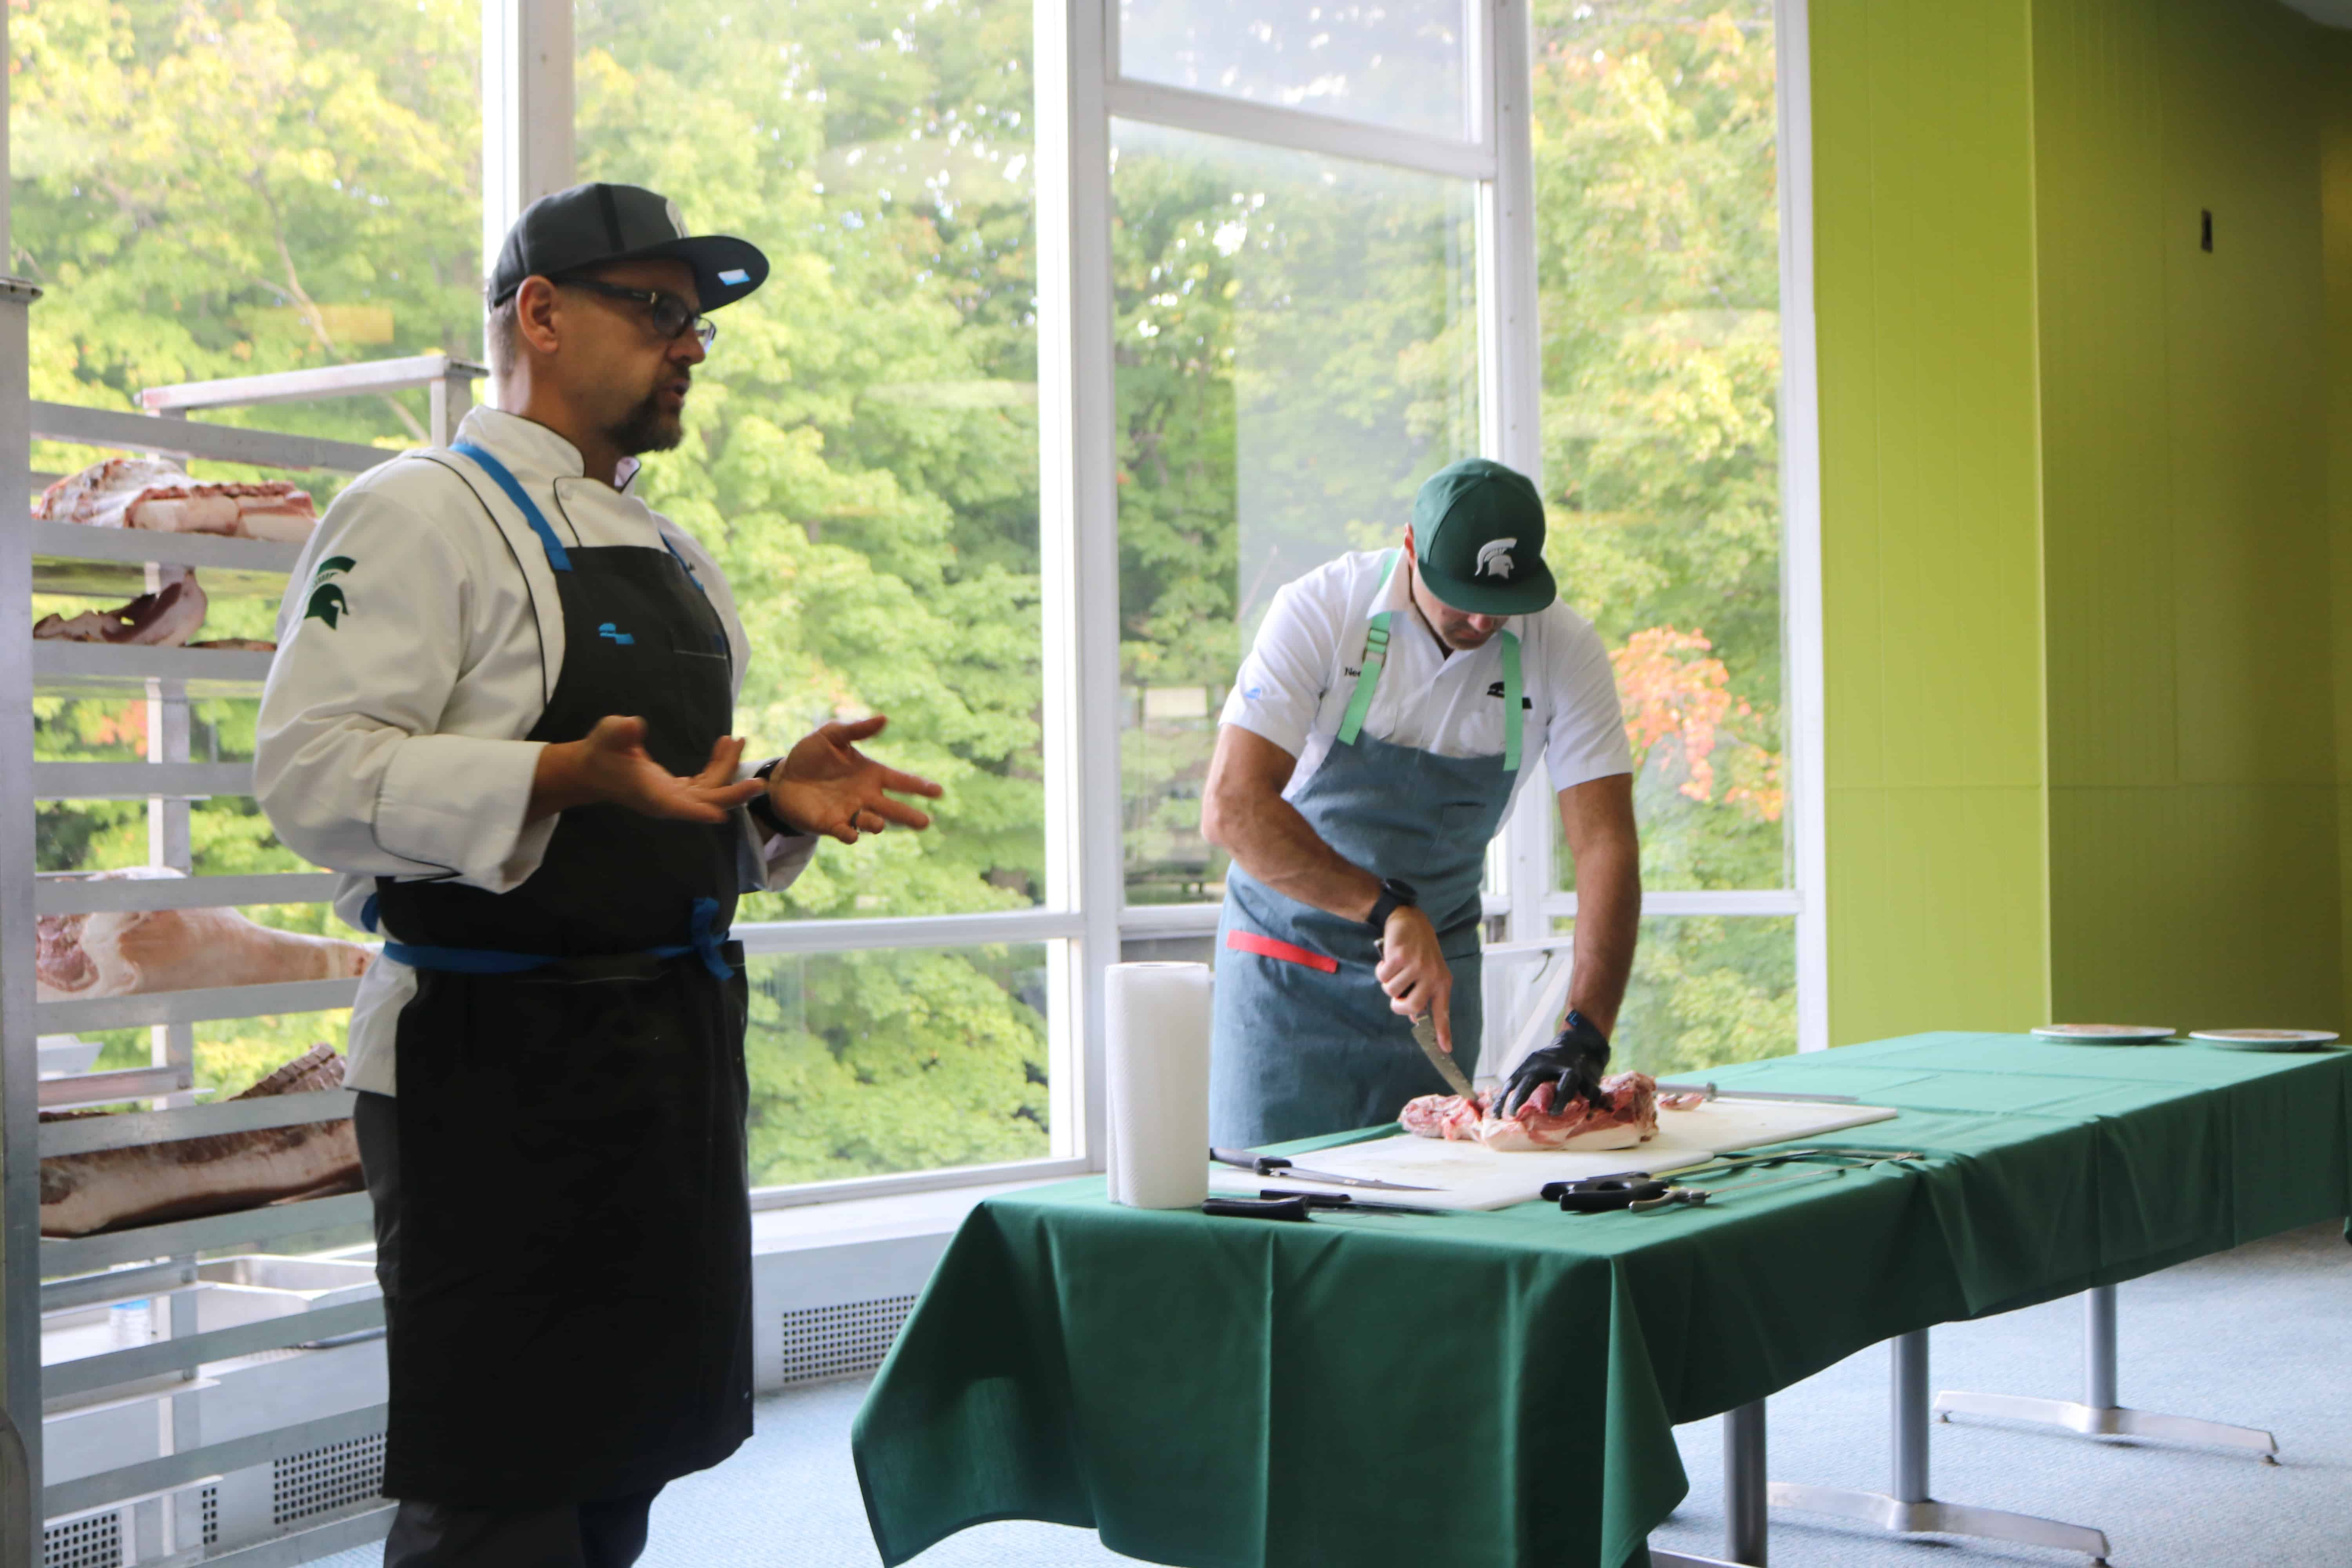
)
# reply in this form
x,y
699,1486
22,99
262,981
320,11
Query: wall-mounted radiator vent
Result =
x,y
209,1499
92,1543
841,1340
333,1477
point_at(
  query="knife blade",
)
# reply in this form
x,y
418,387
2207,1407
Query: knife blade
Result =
x,y
1424,1034
1277,1165
1712,1092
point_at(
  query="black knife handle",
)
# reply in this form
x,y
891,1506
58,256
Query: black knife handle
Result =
x,y
1256,1208
1550,1191
1607,1194
1249,1160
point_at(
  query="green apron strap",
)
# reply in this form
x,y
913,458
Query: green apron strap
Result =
x,y
1376,653
1511,702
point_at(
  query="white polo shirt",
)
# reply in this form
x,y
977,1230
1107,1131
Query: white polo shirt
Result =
x,y
1295,686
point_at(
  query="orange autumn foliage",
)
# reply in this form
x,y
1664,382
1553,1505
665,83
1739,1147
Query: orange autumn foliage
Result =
x,y
1674,690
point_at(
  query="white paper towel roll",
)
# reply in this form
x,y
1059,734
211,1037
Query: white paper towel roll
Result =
x,y
1157,1052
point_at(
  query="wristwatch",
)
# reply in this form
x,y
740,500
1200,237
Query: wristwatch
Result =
x,y
1393,894
764,814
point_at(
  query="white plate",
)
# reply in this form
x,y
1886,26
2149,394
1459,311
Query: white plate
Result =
x,y
2266,1039
2106,1034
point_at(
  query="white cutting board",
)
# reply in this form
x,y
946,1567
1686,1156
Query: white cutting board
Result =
x,y
1473,1176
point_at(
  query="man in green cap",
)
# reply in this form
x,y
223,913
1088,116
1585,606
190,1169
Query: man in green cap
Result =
x,y
1391,708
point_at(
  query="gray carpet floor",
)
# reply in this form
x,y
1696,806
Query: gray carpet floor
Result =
x,y
2261,1337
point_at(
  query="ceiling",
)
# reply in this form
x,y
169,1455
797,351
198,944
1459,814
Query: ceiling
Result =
x,y
2334,13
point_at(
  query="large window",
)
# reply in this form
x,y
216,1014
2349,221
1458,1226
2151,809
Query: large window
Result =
x,y
1400,63
1323,290
1658,258
1297,349
862,454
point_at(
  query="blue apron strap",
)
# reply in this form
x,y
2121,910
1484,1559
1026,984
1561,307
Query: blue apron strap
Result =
x,y
703,937
515,493
1512,702
1376,653
683,566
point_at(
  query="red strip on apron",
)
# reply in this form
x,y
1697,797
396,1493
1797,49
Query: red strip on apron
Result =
x,y
1266,947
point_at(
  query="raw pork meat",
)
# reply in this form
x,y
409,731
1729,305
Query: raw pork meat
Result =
x,y
147,492
122,952
165,618
113,1188
1632,1118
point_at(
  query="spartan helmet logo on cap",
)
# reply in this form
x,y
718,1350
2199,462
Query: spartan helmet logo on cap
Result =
x,y
1494,558
676,218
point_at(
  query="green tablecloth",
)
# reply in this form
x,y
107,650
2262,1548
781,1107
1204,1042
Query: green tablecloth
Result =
x,y
1499,1389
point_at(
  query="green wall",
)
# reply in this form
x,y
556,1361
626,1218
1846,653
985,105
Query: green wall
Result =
x,y
2193,856
2079,584
1923,203
2336,183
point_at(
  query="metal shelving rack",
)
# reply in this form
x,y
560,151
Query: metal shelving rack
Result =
x,y
155,1263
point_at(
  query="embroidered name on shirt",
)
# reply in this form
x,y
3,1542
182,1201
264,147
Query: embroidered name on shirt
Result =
x,y
620,637
1496,691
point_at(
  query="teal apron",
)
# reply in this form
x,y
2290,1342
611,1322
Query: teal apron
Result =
x,y
1305,1042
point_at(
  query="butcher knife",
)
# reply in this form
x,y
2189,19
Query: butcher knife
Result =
x,y
1424,1034
1712,1092
1277,1165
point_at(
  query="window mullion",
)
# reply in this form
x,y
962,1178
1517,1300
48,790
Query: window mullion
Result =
x,y
1079,522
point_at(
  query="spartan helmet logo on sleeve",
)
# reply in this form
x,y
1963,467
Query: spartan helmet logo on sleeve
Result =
x,y
327,601
1494,558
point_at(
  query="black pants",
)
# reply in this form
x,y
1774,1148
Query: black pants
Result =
x,y
603,1533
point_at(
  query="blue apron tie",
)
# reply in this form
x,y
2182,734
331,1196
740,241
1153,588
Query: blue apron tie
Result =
x,y
704,936
701,939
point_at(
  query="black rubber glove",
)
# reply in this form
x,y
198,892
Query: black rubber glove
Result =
x,y
1572,1063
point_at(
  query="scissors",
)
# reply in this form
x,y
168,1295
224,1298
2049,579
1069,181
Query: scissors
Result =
x,y
1640,1194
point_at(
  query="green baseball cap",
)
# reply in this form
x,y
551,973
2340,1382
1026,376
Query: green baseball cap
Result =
x,y
1478,534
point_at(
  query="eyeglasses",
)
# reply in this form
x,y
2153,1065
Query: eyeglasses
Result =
x,y
672,316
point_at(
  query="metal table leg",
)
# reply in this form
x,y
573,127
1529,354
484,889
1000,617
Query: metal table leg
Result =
x,y
1746,1520
2098,1414
1911,1509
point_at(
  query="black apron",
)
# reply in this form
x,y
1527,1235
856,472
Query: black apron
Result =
x,y
574,1319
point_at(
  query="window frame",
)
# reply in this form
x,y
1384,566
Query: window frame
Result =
x,y
528,101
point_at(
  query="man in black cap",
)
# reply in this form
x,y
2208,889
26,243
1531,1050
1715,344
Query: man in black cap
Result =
x,y
1394,704
501,709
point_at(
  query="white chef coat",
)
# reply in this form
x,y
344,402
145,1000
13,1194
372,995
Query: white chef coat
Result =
x,y
391,743
1295,687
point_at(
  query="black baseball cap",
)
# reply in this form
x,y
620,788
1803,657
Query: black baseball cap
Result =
x,y
590,225
1478,539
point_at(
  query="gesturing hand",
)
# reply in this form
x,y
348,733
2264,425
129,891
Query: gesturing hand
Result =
x,y
825,784
610,765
